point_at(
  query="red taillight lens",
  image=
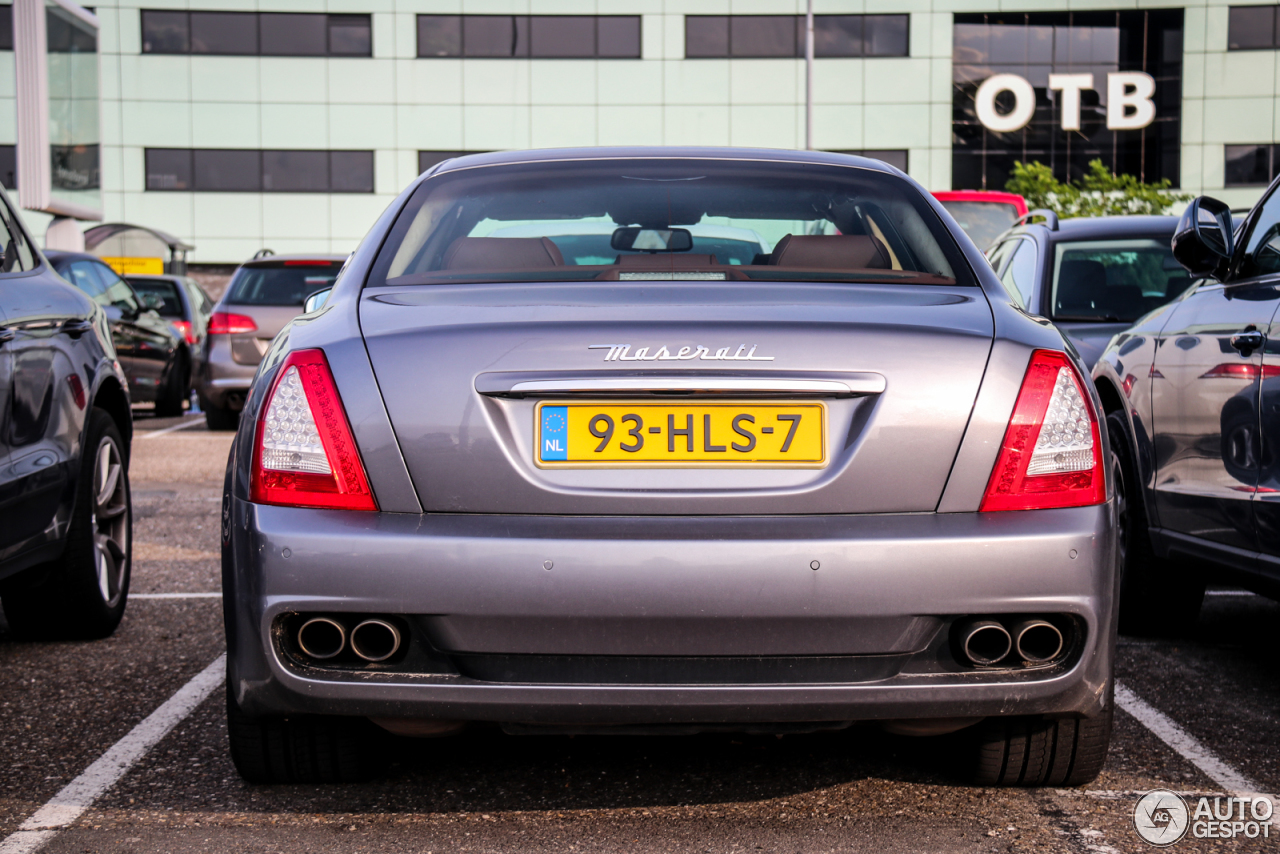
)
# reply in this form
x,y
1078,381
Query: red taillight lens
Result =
x,y
304,454
184,329
1051,455
1241,371
226,323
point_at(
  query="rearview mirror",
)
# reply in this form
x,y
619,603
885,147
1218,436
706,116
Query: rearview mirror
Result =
x,y
1204,240
152,301
316,300
631,239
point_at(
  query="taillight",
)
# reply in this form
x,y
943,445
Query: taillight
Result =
x,y
185,329
304,453
226,323
1241,371
1051,455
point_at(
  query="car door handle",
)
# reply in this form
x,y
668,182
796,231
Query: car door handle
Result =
x,y
76,328
1248,341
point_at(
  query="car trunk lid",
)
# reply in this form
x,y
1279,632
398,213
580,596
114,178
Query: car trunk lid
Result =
x,y
464,368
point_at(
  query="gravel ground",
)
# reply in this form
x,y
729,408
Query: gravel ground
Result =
x,y
62,705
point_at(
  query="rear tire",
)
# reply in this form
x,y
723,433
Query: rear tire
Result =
x,y
1039,751
218,418
304,748
170,399
82,595
1158,597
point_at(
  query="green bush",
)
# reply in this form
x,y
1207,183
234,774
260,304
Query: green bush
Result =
x,y
1100,192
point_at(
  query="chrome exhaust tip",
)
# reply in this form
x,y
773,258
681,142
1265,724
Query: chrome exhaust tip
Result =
x,y
1037,641
375,640
985,641
321,637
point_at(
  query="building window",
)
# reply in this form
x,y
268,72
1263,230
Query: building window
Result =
x,y
895,157
782,36
530,36
256,33
427,159
9,166
6,30
1252,28
251,171
1247,165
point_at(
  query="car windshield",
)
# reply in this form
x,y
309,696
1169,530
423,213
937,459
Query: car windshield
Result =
x,y
983,221
667,219
281,282
170,302
1114,280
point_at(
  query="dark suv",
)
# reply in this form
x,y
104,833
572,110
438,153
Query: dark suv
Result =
x,y
1092,277
1192,394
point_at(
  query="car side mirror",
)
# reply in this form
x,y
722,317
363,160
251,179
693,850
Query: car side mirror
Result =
x,y
1204,240
631,239
316,300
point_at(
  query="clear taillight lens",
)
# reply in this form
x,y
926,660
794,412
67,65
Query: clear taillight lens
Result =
x,y
1051,455
304,453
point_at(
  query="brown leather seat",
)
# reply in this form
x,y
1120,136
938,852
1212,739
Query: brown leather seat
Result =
x,y
665,261
831,252
502,253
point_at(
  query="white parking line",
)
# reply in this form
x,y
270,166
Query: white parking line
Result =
x,y
175,595
183,426
1184,743
78,795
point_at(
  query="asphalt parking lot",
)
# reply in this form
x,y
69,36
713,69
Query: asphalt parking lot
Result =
x,y
1209,708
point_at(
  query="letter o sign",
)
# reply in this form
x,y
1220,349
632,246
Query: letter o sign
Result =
x,y
1024,102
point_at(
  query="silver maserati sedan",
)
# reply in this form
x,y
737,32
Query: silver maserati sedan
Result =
x,y
557,455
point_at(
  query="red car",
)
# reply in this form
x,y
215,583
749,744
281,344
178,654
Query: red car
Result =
x,y
984,215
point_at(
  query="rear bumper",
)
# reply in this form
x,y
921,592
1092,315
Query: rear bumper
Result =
x,y
224,383
696,586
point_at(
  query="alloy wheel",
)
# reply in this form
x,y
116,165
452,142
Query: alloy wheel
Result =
x,y
110,520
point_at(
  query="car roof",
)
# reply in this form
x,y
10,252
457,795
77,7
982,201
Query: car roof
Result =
x,y
155,277
783,155
55,255
1101,227
304,256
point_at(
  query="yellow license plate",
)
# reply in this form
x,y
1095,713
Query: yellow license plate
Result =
x,y
739,434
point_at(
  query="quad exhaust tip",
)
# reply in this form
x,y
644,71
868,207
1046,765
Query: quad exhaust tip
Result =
x,y
985,642
321,637
1037,641
375,640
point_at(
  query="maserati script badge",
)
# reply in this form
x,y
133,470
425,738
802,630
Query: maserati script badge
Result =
x,y
619,353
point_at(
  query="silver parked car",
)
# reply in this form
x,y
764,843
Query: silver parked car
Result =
x,y
263,295
847,481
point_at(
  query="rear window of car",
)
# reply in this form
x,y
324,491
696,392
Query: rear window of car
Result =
x,y
281,282
171,303
668,219
1115,280
983,221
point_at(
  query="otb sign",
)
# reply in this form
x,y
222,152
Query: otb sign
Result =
x,y
1129,100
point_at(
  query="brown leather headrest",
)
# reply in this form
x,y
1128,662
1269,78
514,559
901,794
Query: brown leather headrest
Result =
x,y
831,252
502,253
666,261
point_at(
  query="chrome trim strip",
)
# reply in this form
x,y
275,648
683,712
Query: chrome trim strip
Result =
x,y
864,384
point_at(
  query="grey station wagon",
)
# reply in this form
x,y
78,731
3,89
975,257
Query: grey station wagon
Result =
x,y
665,485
